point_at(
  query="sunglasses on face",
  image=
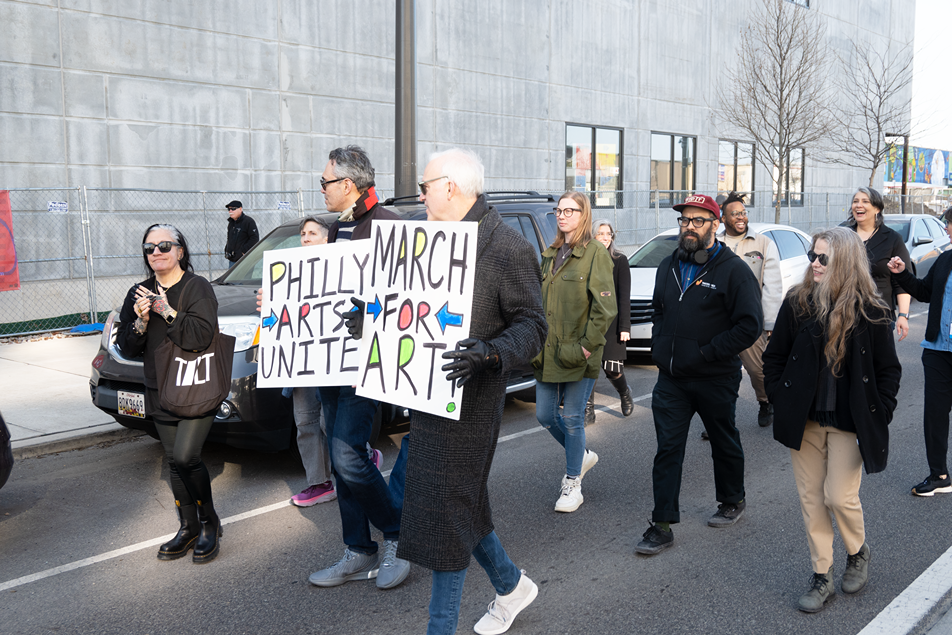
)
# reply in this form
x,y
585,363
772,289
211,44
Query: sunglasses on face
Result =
x,y
823,258
424,185
165,247
324,183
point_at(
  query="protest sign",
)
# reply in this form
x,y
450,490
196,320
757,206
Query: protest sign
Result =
x,y
419,300
303,340
9,272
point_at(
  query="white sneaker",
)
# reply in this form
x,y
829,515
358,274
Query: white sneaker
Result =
x,y
504,609
570,497
588,462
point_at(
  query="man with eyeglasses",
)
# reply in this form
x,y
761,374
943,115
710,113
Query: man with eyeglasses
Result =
x,y
706,310
761,255
364,498
242,233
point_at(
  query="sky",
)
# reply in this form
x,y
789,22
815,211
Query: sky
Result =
x,y
932,76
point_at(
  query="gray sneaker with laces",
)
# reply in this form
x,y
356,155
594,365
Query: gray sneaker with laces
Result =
x,y
393,570
353,566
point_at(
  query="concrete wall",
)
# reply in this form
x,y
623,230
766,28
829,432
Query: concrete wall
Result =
x,y
252,94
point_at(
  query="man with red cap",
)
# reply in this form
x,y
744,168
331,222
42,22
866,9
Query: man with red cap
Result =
x,y
706,310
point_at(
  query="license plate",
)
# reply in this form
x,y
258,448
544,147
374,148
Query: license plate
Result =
x,y
132,404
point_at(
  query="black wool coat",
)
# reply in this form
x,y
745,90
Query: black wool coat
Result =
x,y
446,509
930,289
871,373
615,349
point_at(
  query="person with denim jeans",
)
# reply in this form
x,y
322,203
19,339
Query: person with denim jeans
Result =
x,y
447,520
578,296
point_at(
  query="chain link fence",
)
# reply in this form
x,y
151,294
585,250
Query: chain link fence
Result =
x,y
79,248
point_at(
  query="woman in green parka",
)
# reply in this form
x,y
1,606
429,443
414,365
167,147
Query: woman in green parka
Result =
x,y
578,298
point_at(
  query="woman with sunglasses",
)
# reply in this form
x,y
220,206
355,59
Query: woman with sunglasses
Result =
x,y
579,303
619,331
173,302
832,373
882,243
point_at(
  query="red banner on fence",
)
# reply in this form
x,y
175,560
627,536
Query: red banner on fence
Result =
x,y
9,274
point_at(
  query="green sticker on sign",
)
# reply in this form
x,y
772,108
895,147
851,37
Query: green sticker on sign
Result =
x,y
451,407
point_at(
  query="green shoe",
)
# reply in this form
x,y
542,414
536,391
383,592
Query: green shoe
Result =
x,y
857,571
821,591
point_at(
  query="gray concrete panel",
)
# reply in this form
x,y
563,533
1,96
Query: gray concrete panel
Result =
x,y
251,18
192,179
89,175
28,139
176,102
581,35
296,149
265,151
338,26
85,94
123,46
29,34
295,113
336,74
140,144
352,118
264,110
13,175
477,129
30,89
452,89
87,142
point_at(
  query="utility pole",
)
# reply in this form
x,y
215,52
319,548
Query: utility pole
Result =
x,y
405,141
905,167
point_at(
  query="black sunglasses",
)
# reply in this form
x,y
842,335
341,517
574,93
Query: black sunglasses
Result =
x,y
425,185
824,259
324,183
165,247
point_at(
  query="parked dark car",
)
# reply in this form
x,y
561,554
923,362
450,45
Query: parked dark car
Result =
x,y
6,452
260,418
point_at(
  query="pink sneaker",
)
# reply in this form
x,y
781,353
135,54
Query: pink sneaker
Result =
x,y
376,457
315,494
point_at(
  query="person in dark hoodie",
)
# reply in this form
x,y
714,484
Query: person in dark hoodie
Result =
x,y
706,310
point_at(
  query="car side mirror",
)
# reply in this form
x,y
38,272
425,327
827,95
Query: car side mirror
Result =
x,y
921,240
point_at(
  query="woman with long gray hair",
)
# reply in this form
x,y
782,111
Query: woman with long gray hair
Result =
x,y
619,331
832,373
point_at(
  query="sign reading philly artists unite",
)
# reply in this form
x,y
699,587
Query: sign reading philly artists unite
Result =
x,y
418,306
416,279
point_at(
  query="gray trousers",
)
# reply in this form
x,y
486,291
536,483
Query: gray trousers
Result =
x,y
311,439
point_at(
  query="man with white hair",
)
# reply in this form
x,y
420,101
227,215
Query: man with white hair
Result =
x,y
446,515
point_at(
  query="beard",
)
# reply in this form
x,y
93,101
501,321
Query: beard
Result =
x,y
690,241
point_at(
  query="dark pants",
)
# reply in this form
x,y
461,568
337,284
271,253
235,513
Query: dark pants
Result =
x,y
183,441
363,495
674,402
937,367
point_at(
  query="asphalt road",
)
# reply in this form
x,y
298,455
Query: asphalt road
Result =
x,y
61,509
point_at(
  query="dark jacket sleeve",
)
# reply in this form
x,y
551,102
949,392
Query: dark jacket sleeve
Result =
x,y
129,342
899,249
779,347
746,314
622,275
921,290
197,319
520,302
657,298
251,237
886,364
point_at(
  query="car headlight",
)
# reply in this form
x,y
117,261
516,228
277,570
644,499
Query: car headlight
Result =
x,y
108,328
243,328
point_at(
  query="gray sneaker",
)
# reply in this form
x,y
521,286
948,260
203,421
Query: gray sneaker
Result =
x,y
393,570
353,566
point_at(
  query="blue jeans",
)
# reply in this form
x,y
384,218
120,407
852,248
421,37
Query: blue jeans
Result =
x,y
565,423
362,494
447,592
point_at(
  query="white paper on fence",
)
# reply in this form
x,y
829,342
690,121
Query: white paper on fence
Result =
x,y
305,290
419,305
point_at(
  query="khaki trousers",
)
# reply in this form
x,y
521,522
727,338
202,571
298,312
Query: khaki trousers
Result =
x,y
828,469
753,362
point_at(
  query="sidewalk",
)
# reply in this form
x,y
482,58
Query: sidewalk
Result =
x,y
45,399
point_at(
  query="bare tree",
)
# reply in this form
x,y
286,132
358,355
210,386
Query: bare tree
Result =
x,y
778,92
875,99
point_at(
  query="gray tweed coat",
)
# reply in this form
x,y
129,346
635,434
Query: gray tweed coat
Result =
x,y
446,505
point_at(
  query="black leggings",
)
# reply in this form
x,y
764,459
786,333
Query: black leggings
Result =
x,y
183,442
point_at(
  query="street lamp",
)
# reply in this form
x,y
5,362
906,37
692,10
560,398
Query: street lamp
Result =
x,y
905,154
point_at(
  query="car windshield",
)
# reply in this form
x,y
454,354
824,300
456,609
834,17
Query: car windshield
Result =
x,y
653,252
248,271
901,227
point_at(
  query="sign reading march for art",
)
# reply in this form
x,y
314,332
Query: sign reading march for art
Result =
x,y
305,290
419,304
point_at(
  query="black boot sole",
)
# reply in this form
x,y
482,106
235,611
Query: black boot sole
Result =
x,y
175,555
203,558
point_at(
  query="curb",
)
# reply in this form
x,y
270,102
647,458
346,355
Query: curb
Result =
x,y
77,442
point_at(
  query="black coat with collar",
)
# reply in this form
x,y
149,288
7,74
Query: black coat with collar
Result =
x,y
871,373
880,248
930,289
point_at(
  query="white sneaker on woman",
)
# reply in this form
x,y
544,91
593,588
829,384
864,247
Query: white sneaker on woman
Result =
x,y
570,496
504,609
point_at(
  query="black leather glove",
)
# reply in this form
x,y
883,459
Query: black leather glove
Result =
x,y
473,356
354,319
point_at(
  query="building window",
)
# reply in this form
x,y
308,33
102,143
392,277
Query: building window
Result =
x,y
735,168
601,177
672,167
802,3
792,186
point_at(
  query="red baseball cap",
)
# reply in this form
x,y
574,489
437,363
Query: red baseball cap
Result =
x,y
700,200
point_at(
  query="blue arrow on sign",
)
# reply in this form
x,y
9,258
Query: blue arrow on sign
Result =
x,y
445,318
270,321
375,307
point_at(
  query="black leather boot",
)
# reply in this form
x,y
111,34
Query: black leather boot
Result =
x,y
206,548
621,385
590,409
186,536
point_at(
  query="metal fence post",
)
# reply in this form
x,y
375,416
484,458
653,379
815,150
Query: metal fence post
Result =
x,y
88,253
300,194
208,240
657,212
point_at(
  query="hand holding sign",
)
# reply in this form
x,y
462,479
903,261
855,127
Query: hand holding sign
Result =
x,y
354,319
473,357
